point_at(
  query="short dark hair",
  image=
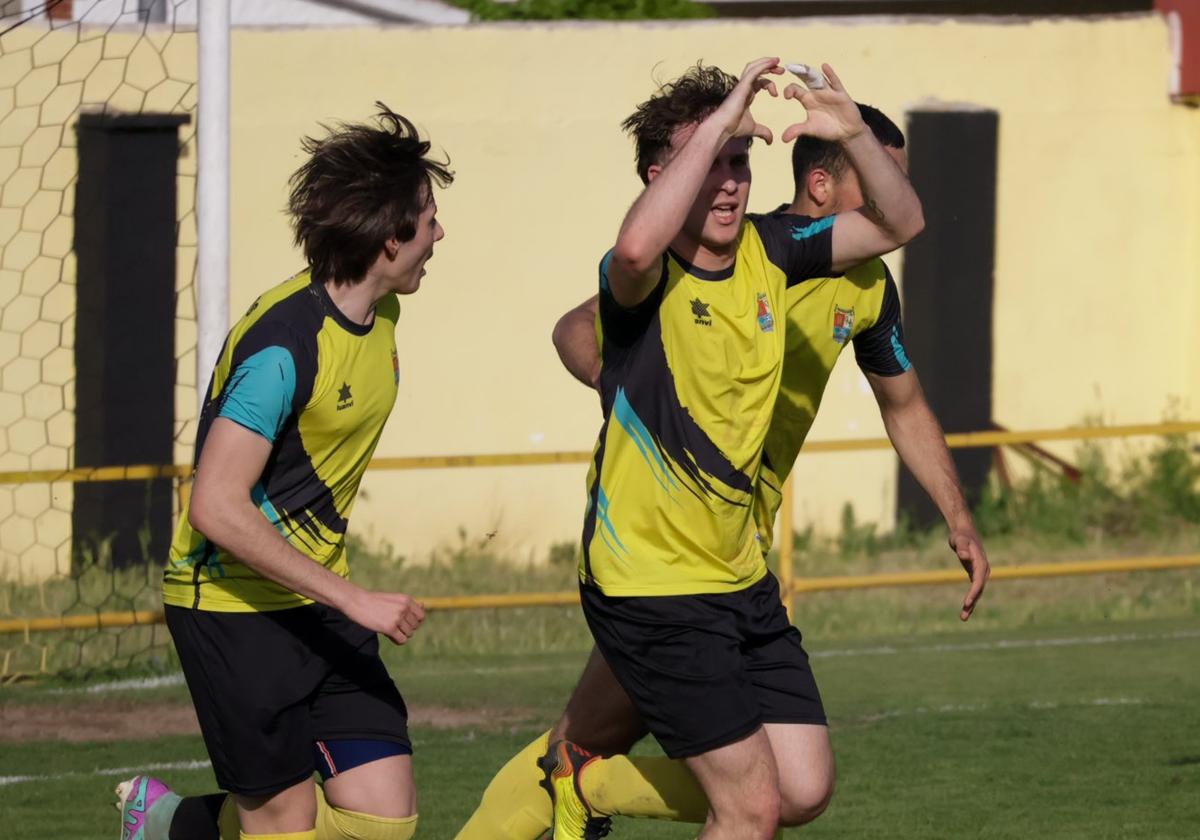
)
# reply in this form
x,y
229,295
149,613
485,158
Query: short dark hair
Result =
x,y
688,99
361,185
809,153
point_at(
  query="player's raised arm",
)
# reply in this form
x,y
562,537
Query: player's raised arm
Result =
x,y
891,214
661,210
575,340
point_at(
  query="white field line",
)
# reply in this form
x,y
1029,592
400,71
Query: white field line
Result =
x,y
108,771
170,680
142,684
1008,644
1038,705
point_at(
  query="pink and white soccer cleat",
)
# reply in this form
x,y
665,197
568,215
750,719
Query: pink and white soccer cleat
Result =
x,y
135,798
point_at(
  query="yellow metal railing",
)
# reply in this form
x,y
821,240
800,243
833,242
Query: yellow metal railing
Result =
x,y
797,586
788,582
964,440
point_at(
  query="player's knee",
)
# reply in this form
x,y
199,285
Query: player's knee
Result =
x,y
802,801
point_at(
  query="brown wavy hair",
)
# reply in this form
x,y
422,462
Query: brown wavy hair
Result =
x,y
361,185
688,99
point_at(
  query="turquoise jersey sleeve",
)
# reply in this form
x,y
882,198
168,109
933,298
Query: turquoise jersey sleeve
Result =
x,y
260,392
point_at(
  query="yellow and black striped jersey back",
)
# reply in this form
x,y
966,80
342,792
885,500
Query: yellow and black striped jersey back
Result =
x,y
688,384
823,315
295,370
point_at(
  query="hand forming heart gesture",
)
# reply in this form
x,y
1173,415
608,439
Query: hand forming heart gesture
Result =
x,y
832,113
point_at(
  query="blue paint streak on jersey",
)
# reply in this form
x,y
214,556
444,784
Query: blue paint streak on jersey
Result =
x,y
609,533
637,431
258,495
260,392
898,349
604,263
811,230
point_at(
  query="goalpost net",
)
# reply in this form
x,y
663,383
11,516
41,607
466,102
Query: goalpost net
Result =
x,y
63,61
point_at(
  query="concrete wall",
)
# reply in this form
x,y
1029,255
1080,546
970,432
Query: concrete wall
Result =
x,y
1097,252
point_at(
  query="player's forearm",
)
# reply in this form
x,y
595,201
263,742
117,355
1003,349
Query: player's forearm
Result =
x,y
657,216
919,441
241,529
889,199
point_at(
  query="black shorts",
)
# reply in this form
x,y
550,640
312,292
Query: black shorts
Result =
x,y
267,685
706,670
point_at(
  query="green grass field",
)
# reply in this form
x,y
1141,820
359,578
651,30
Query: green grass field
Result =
x,y
1069,730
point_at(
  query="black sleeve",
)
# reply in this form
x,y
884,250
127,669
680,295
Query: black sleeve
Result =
x,y
879,349
800,245
623,325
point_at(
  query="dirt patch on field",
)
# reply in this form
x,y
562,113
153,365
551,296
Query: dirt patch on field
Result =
x,y
114,721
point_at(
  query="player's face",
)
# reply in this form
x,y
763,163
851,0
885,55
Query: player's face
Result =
x,y
408,266
716,216
847,190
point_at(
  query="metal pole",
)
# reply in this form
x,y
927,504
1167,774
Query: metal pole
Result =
x,y
212,198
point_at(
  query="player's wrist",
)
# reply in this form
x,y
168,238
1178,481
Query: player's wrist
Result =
x,y
715,128
855,135
347,597
961,522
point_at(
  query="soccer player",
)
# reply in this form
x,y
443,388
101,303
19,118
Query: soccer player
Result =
x,y
279,648
599,715
673,581
674,585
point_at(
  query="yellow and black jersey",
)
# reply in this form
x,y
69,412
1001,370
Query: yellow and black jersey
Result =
x,y
688,384
319,387
861,307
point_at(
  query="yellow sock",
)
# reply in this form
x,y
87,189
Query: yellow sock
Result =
x,y
295,835
514,806
228,822
340,824
654,787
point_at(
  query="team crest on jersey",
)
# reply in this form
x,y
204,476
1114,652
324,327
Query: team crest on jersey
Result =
x,y
395,366
766,321
701,313
843,323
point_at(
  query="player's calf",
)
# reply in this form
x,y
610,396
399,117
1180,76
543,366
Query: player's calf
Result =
x,y
289,811
742,785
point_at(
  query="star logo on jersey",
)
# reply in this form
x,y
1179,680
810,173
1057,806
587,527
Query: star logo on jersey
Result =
x,y
345,398
843,323
766,321
700,310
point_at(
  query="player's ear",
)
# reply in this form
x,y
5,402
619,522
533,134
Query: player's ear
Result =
x,y
819,184
652,172
391,247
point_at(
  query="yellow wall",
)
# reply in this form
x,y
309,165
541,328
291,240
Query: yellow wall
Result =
x,y
1097,253
1096,260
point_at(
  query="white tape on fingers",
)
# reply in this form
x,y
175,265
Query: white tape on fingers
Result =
x,y
811,76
